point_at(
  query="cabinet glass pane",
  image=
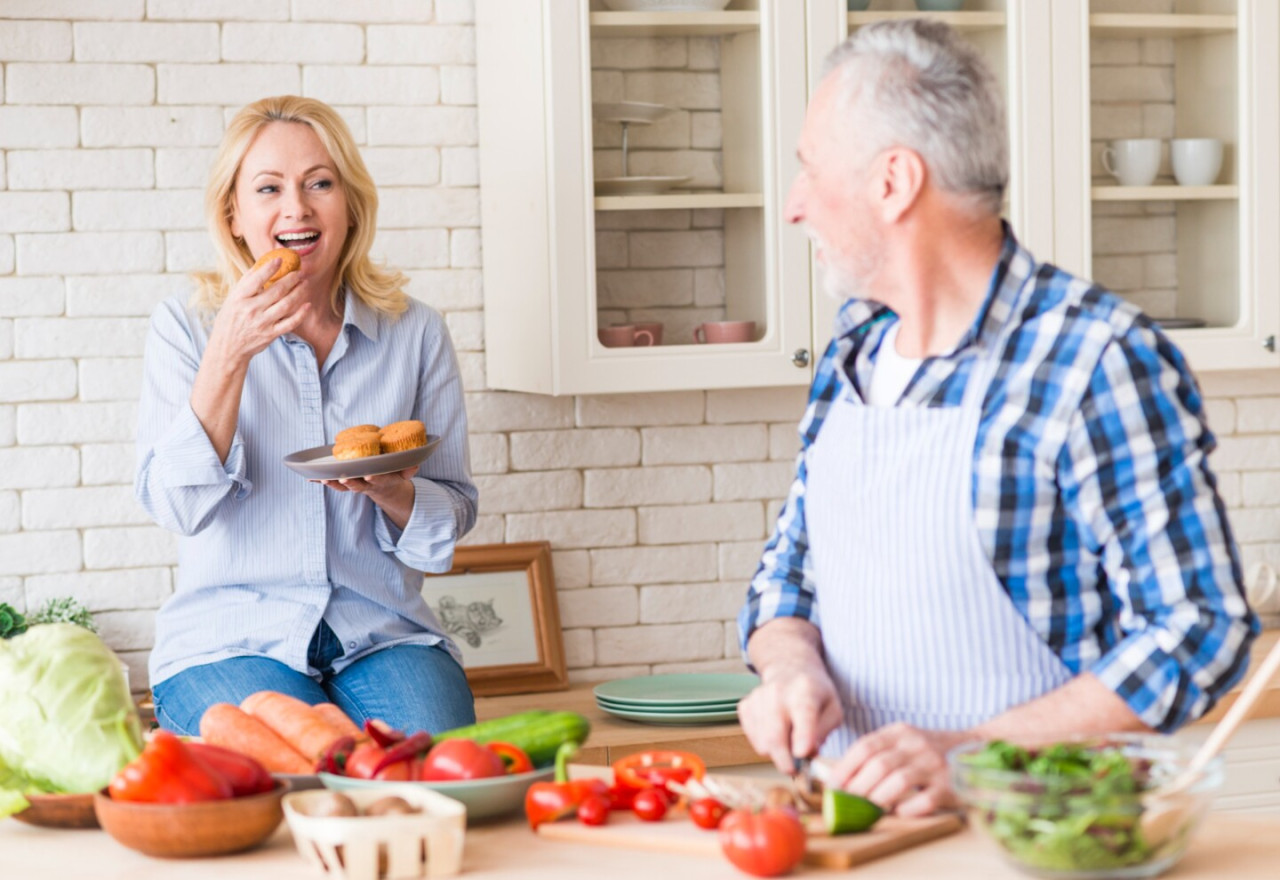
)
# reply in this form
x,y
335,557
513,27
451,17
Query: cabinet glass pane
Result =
x,y
678,167
1165,181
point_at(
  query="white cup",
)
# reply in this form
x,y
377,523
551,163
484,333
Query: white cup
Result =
x,y
1133,161
1196,161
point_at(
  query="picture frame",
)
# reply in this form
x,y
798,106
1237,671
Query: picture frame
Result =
x,y
499,605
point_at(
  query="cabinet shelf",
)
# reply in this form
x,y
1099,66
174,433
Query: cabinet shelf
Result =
x,y
1134,26
671,201
672,24
961,21
1165,192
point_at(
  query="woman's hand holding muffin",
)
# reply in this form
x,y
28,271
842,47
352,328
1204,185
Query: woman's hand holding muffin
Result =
x,y
257,310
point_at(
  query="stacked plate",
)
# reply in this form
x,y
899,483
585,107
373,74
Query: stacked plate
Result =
x,y
693,698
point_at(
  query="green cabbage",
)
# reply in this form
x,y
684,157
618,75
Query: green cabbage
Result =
x,y
67,721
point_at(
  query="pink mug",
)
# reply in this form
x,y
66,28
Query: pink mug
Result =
x,y
624,336
653,328
725,331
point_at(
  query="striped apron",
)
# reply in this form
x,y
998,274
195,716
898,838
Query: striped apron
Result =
x,y
916,627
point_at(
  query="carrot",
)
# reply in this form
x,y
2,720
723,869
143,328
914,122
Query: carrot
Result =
x,y
226,725
298,724
335,716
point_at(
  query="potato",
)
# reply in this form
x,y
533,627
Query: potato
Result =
x,y
388,806
331,803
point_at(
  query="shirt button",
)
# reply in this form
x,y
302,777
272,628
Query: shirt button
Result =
x,y
351,645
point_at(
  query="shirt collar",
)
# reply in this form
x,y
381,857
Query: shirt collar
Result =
x,y
356,314
859,317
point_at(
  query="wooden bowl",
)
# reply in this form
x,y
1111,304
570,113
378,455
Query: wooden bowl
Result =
x,y
60,811
180,831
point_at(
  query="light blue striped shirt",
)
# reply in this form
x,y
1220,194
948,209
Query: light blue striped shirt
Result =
x,y
265,553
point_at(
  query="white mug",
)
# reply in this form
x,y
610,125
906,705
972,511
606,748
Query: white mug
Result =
x,y
1196,161
1133,161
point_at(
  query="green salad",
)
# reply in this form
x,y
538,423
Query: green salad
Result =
x,y
1074,809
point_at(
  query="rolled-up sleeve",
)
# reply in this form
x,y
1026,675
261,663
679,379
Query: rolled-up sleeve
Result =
x,y
1136,475
444,496
180,481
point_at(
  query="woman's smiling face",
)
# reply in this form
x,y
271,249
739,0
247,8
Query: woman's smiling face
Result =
x,y
288,194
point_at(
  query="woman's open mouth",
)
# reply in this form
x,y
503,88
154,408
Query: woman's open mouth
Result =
x,y
301,243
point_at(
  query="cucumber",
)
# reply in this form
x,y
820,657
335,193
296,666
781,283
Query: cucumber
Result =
x,y
845,813
539,734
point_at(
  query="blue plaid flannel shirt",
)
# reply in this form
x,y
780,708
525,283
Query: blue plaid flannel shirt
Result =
x,y
1092,491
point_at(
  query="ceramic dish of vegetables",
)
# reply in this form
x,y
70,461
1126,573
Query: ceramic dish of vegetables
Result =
x,y
1075,809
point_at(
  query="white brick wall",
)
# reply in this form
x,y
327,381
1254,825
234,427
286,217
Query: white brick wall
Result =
x,y
656,504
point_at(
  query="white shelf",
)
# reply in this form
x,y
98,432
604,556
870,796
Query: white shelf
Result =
x,y
1133,26
672,24
1163,193
671,201
961,21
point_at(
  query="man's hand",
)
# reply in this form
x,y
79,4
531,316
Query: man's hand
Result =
x,y
901,768
796,705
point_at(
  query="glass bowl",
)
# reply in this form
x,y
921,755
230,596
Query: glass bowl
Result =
x,y
1083,819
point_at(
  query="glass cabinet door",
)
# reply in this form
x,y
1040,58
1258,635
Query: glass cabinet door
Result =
x,y
1167,189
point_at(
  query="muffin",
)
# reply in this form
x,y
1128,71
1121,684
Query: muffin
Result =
x,y
289,262
359,445
358,429
400,436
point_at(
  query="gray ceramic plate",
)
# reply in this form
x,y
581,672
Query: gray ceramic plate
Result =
x,y
692,690
318,462
483,798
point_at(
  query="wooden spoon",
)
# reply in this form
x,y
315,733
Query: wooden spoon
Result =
x,y
1167,806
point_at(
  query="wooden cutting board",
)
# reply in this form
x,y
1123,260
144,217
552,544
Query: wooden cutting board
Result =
x,y
679,835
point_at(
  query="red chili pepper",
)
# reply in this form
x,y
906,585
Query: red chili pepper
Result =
x,y
512,755
167,772
412,746
549,801
383,736
244,773
334,759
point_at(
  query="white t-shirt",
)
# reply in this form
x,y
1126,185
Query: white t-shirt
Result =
x,y
892,372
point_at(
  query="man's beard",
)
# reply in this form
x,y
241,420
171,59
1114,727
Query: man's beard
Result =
x,y
840,283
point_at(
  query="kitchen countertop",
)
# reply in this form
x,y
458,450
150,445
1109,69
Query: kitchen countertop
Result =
x,y
725,744
1240,847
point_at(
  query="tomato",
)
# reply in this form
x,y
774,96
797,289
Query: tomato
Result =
x,y
361,762
594,810
657,767
650,804
766,844
460,759
707,813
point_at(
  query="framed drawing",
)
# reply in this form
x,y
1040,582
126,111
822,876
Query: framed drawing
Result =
x,y
498,603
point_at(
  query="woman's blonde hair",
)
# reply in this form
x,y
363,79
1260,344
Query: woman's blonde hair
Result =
x,y
379,288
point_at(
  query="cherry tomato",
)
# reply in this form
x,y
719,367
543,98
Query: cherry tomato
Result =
x,y
366,757
650,804
594,810
766,844
707,813
460,759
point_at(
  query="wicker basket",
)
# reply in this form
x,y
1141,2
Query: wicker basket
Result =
x,y
425,844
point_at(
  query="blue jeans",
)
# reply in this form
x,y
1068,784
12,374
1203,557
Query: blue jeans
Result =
x,y
410,687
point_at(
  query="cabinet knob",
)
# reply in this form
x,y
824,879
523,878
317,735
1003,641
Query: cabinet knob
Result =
x,y
801,357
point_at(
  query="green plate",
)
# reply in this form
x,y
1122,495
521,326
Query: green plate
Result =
x,y
689,689
483,798
701,707
680,718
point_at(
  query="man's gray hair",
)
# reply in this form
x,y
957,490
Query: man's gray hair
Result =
x,y
921,86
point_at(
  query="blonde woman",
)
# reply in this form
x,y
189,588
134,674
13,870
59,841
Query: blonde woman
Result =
x,y
284,584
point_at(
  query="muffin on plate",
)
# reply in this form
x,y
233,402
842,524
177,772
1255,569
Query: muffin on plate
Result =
x,y
358,429
358,445
400,436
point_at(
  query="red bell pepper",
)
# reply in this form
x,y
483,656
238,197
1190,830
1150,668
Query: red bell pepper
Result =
x,y
549,801
245,774
512,755
651,769
168,772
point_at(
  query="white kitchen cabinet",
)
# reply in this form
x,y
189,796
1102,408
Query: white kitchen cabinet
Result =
x,y
1211,254
561,261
